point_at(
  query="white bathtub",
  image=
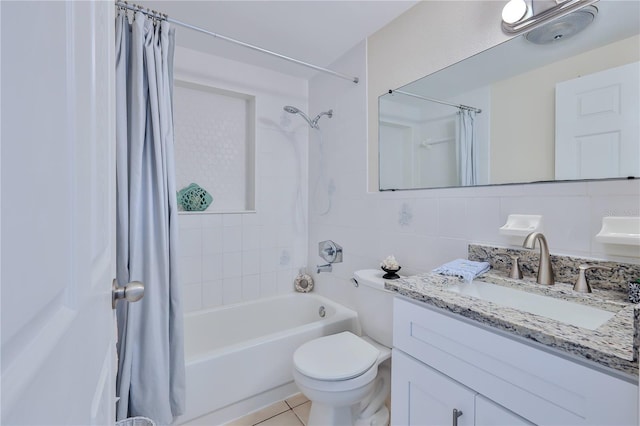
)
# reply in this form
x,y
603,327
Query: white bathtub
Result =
x,y
239,357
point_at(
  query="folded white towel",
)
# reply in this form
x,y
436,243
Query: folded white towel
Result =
x,y
466,269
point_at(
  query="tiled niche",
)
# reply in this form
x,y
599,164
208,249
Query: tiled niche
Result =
x,y
215,144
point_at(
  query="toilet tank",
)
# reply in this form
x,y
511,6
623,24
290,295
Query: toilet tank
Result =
x,y
374,305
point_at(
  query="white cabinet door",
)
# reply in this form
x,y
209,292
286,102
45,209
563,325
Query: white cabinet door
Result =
x,y
422,396
488,413
597,136
58,215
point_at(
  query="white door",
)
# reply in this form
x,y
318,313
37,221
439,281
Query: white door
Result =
x,y
58,213
597,127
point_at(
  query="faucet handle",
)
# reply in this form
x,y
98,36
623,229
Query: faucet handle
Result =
x,y
582,285
516,271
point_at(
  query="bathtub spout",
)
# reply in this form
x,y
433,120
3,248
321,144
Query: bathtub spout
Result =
x,y
325,268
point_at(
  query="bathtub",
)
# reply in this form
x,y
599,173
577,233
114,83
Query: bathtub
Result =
x,y
239,357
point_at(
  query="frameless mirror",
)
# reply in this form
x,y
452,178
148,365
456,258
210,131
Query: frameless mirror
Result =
x,y
565,110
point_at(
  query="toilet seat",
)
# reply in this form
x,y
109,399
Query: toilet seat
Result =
x,y
336,357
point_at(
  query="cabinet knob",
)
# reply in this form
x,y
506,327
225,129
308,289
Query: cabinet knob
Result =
x,y
456,413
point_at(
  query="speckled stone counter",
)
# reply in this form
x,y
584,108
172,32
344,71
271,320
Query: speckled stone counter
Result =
x,y
614,344
565,268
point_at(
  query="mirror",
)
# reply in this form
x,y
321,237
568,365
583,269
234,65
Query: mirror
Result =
x,y
566,110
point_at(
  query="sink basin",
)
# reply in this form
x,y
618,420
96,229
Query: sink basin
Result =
x,y
557,309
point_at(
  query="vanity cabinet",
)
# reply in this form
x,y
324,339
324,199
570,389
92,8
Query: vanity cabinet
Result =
x,y
423,396
443,361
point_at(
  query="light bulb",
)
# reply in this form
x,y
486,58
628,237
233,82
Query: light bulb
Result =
x,y
514,11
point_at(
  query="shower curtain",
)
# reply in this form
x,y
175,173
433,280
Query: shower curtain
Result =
x,y
151,372
465,143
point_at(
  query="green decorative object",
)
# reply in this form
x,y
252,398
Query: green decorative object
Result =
x,y
193,198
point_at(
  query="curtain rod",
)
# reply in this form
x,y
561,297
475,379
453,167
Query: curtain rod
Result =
x,y
165,17
470,108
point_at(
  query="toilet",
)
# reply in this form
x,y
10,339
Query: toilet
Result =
x,y
347,377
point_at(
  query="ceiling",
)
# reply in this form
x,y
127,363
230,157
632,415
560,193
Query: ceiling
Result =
x,y
313,31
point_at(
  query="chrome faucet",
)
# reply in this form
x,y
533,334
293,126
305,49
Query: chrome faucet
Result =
x,y
545,271
325,268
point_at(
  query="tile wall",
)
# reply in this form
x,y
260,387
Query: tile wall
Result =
x,y
425,228
233,257
214,152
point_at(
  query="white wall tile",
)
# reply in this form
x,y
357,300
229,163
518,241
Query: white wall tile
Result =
x,y
211,293
623,187
192,297
397,215
452,217
190,242
211,220
232,290
426,221
269,260
232,264
190,269
232,220
250,262
212,267
284,280
268,284
212,153
285,259
253,219
269,236
231,238
236,245
449,249
483,216
251,237
250,287
212,240
286,235
187,221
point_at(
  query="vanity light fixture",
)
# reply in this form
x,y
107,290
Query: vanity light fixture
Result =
x,y
519,16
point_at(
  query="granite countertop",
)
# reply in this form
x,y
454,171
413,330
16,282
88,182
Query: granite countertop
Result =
x,y
614,344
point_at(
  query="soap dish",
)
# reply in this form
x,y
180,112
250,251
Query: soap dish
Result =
x,y
521,225
620,230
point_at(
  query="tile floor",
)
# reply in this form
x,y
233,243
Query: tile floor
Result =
x,y
293,411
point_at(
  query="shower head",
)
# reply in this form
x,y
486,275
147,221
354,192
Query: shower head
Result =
x,y
313,123
293,110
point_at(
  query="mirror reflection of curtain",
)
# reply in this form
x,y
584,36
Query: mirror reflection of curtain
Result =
x,y
466,149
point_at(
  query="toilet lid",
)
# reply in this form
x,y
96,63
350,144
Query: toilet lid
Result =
x,y
339,356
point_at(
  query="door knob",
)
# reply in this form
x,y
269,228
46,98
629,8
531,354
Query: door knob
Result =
x,y
132,292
